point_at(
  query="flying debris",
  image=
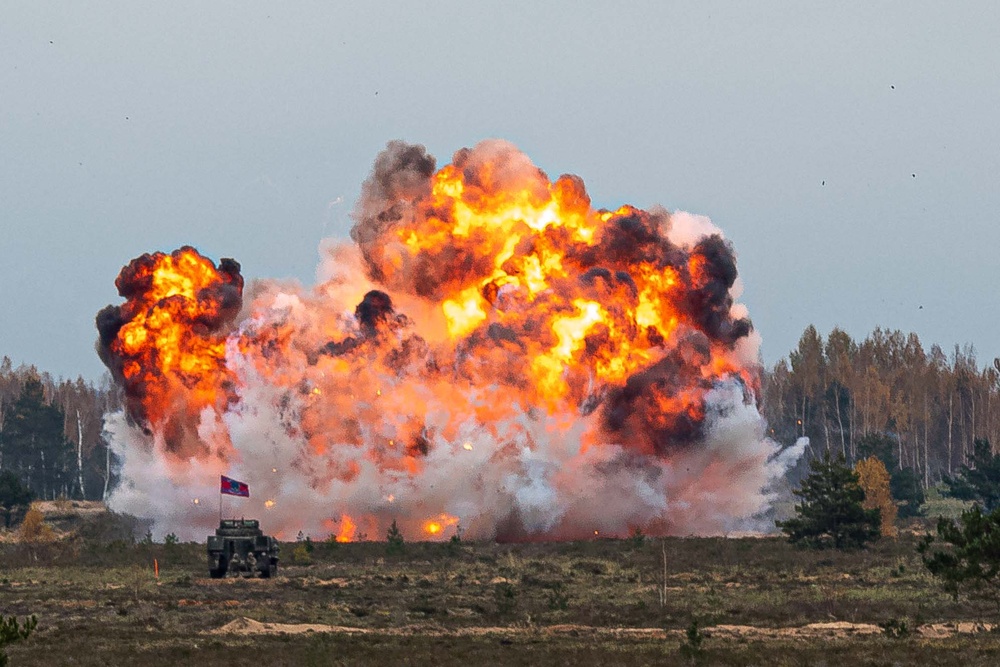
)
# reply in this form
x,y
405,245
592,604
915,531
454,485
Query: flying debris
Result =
x,y
491,351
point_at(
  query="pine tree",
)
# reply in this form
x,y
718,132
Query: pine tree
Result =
x,y
971,563
874,481
980,481
831,512
394,539
15,498
34,444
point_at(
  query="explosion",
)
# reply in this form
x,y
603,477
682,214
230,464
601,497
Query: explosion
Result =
x,y
166,346
491,355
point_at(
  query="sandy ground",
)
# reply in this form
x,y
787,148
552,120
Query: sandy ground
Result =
x,y
833,630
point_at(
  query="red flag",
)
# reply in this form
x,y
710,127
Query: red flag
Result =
x,y
231,487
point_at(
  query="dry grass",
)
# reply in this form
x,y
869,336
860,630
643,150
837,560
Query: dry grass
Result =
x,y
506,604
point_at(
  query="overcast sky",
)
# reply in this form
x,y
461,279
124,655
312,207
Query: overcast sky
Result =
x,y
245,129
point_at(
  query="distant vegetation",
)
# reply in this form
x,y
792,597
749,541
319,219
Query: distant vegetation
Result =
x,y
920,411
50,433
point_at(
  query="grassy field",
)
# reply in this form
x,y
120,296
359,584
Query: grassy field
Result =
x,y
584,603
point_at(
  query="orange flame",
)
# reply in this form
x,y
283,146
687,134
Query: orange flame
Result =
x,y
347,529
167,342
435,527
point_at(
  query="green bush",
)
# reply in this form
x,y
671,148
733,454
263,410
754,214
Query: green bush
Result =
x,y
691,649
505,596
301,554
11,631
971,561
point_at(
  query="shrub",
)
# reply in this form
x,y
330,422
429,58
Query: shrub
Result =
x,y
557,598
972,560
691,649
895,628
11,631
505,596
301,555
34,530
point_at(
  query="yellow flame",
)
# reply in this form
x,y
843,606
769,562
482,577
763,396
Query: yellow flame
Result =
x,y
465,312
268,504
436,526
347,529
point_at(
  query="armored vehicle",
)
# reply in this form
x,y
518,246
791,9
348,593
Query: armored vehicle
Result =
x,y
239,546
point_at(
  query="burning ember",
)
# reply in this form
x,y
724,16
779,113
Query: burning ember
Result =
x,y
491,352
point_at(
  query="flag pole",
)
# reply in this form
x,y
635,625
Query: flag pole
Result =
x,y
220,506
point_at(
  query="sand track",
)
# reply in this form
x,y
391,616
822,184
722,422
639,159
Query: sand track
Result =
x,y
832,630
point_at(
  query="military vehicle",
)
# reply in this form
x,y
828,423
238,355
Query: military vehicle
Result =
x,y
239,546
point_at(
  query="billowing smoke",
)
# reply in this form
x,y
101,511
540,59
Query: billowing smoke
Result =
x,y
490,352
166,345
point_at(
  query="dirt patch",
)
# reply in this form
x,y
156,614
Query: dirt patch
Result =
x,y
834,630
811,631
183,602
78,604
940,630
233,581
322,583
64,508
248,626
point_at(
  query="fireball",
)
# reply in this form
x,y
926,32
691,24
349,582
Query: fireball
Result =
x,y
491,351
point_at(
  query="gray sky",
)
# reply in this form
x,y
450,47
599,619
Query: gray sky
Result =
x,y
236,127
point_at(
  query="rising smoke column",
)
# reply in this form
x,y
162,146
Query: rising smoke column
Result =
x,y
490,351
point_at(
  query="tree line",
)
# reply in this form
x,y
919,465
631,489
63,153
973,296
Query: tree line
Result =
x,y
51,433
846,395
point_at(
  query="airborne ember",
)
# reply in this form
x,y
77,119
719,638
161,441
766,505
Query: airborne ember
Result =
x,y
491,353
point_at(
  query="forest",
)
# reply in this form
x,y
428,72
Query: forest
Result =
x,y
845,395
921,411
51,433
